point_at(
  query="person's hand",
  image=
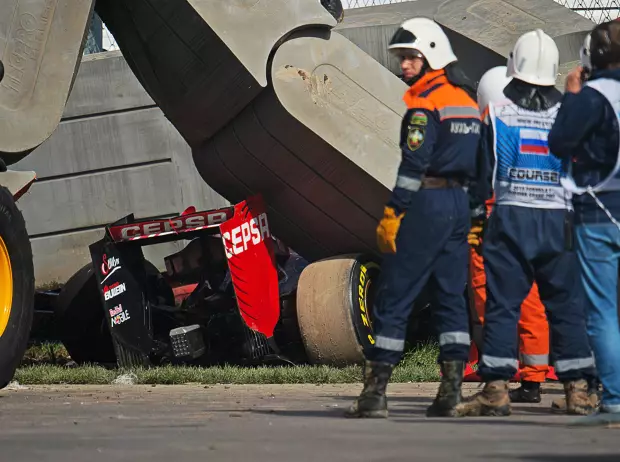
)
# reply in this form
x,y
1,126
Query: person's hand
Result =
x,y
574,80
388,230
474,238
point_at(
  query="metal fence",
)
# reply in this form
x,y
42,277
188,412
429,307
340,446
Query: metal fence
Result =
x,y
595,10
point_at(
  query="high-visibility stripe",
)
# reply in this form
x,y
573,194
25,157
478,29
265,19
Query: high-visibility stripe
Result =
x,y
454,338
494,361
534,360
564,365
387,343
458,112
410,184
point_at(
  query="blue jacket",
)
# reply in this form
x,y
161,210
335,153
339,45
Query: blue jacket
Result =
x,y
586,132
439,136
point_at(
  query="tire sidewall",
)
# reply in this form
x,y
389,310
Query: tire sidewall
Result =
x,y
363,283
14,340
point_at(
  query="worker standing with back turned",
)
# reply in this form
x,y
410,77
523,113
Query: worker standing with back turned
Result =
x,y
529,234
423,233
586,132
533,324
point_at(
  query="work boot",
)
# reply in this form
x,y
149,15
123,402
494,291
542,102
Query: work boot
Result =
x,y
594,396
449,393
372,402
528,392
493,400
577,400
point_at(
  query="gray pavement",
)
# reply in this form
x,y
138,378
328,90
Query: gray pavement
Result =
x,y
275,423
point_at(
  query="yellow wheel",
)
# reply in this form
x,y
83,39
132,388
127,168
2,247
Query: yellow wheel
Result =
x,y
16,287
6,286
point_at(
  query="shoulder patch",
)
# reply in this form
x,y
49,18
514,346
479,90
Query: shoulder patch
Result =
x,y
415,137
419,118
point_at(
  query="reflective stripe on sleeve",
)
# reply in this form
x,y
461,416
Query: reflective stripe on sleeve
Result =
x,y
454,338
494,361
387,343
458,112
535,360
410,184
571,364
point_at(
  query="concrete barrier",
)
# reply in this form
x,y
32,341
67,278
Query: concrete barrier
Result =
x,y
114,153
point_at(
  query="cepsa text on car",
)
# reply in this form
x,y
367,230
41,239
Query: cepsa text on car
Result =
x,y
246,235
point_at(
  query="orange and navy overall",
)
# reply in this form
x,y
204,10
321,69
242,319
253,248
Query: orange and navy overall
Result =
x,y
440,133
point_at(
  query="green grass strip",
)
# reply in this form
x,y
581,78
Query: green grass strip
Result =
x,y
419,365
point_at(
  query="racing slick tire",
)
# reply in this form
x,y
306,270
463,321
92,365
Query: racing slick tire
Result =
x,y
334,300
80,319
16,287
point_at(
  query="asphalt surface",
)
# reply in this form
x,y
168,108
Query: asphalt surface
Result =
x,y
276,423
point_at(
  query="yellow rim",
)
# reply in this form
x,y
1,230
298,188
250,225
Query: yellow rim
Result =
x,y
6,286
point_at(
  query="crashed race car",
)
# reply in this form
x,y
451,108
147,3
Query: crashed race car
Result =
x,y
235,294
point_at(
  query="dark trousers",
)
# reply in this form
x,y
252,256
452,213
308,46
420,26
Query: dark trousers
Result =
x,y
431,247
523,245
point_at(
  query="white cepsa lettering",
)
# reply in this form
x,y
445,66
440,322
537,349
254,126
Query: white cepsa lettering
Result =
x,y
179,223
249,233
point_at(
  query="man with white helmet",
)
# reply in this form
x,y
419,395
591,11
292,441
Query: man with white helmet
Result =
x,y
423,233
586,134
528,236
533,325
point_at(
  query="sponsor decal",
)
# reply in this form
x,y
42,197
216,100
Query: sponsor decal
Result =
x,y
248,234
415,138
111,291
533,142
179,224
362,290
118,315
109,266
463,128
541,176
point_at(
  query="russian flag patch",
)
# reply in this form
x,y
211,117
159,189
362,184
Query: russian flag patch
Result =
x,y
533,142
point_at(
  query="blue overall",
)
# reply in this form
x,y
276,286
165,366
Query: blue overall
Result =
x,y
439,138
526,241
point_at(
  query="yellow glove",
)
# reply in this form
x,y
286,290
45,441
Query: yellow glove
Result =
x,y
474,238
388,230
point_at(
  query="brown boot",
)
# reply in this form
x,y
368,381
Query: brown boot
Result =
x,y
494,400
372,402
577,399
594,396
449,393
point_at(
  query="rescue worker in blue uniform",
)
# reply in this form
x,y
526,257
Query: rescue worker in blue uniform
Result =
x,y
424,229
586,133
528,234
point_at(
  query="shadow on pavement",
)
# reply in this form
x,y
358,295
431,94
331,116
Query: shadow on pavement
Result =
x,y
417,416
573,458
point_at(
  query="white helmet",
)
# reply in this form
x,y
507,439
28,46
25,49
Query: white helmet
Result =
x,y
534,59
491,86
584,53
425,36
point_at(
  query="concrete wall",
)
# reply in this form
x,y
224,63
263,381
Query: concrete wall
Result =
x,y
114,153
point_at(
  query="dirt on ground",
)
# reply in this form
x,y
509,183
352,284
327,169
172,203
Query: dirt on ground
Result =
x,y
276,423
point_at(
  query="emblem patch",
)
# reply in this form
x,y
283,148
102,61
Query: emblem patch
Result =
x,y
415,138
419,118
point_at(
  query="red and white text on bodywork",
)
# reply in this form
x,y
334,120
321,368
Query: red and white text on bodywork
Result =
x,y
252,232
178,224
